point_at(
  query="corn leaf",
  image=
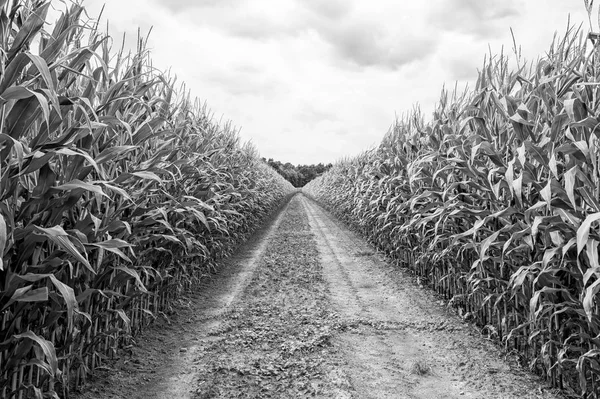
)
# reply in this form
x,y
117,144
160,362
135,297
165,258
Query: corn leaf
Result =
x,y
61,238
47,348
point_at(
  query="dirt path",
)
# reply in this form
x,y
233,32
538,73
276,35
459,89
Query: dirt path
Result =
x,y
404,343
308,309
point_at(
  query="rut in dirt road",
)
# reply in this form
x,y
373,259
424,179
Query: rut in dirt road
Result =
x,y
404,344
309,309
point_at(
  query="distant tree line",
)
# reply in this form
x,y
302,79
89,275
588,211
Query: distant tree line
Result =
x,y
297,175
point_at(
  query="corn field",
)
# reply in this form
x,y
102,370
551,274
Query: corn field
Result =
x,y
495,203
117,193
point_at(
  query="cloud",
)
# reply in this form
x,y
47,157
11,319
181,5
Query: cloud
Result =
x,y
461,69
361,36
244,80
354,39
313,115
480,18
331,9
460,55
258,20
259,28
180,6
366,44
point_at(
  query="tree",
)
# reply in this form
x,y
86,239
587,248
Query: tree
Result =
x,y
297,175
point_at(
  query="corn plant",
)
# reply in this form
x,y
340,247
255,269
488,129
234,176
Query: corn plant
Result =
x,y
117,192
495,202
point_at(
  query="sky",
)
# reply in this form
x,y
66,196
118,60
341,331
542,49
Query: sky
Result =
x,y
310,81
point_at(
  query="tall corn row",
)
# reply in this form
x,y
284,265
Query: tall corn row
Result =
x,y
496,203
116,193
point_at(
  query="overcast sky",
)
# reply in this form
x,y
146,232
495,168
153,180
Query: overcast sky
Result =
x,y
311,81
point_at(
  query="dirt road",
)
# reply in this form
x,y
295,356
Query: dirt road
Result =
x,y
309,309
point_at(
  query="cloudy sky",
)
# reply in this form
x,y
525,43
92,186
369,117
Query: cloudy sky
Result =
x,y
311,81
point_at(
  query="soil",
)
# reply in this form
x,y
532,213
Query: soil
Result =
x,y
308,309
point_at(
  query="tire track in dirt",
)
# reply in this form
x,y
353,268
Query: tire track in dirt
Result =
x,y
277,341
399,342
